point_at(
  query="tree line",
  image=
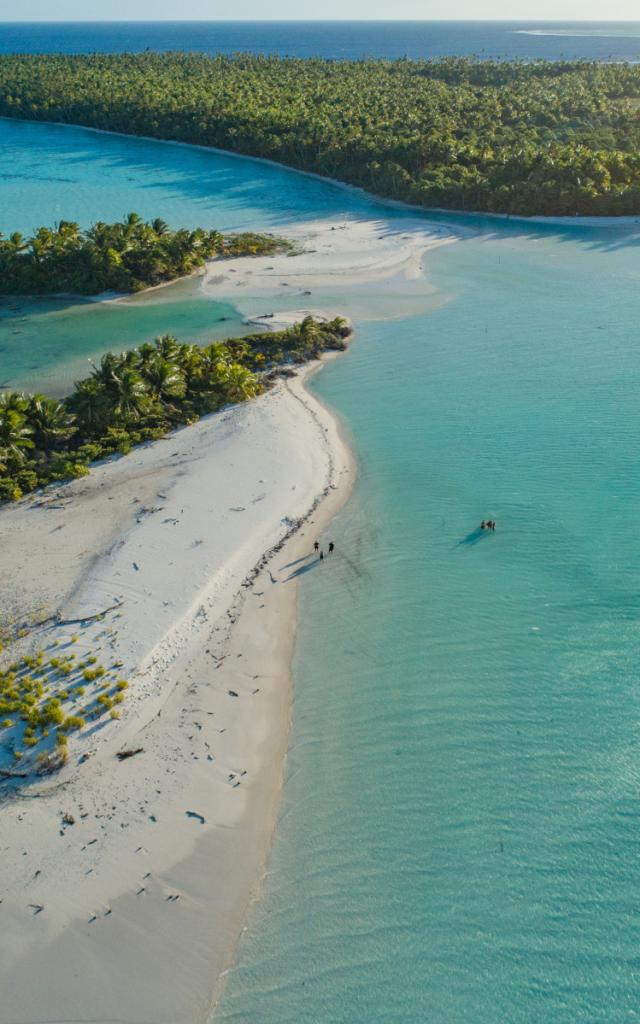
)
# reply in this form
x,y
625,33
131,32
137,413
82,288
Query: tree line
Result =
x,y
123,257
140,395
555,138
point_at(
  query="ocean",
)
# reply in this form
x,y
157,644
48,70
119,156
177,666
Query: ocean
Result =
x,y
338,40
458,839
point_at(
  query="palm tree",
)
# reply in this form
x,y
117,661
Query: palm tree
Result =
x,y
132,224
15,400
128,394
159,226
145,355
18,243
168,346
15,435
110,366
49,421
164,380
189,359
236,382
89,405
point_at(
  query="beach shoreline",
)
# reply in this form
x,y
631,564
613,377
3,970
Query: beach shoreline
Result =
x,y
587,221
237,790
180,561
195,545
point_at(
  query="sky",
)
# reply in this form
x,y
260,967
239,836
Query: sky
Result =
x,y
219,10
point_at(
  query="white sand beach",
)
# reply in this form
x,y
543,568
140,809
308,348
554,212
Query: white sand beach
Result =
x,y
126,884
176,528
332,252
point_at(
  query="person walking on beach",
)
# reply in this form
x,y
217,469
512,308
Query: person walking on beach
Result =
x,y
316,546
322,556
331,546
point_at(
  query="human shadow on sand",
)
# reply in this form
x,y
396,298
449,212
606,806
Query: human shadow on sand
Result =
x,y
302,569
297,561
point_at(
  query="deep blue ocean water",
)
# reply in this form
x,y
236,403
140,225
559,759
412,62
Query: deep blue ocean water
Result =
x,y
459,837
342,40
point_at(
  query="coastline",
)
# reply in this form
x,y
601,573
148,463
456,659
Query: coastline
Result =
x,y
184,541
96,901
399,204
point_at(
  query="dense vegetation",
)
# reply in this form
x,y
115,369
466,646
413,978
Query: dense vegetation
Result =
x,y
122,257
545,138
139,396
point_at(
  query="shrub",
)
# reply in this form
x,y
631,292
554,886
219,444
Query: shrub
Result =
x,y
72,723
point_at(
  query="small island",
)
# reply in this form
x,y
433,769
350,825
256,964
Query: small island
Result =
x,y
123,257
141,395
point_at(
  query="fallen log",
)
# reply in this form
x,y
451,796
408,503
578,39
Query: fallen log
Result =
x,y
122,755
57,621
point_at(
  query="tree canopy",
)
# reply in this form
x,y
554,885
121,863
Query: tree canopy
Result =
x,y
559,138
141,394
122,257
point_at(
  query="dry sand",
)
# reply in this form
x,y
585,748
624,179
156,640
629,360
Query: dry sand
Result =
x,y
207,659
196,543
331,253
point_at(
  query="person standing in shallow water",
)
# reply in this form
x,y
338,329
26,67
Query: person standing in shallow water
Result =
x,y
331,546
315,546
322,556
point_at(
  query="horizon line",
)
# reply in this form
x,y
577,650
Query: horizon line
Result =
x,y
319,21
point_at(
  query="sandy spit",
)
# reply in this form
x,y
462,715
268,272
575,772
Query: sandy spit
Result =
x,y
196,544
145,895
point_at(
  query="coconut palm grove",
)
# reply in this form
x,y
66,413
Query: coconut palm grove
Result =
x,y
123,257
539,137
142,394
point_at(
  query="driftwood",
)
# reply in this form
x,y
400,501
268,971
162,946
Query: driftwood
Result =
x,y
57,621
89,618
122,755
194,814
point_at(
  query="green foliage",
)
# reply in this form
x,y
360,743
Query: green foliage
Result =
x,y
123,257
512,137
139,396
72,723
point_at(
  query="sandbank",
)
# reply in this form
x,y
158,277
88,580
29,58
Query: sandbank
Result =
x,y
195,544
145,895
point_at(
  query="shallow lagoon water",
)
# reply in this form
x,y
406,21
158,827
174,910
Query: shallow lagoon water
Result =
x,y
52,172
459,835
459,830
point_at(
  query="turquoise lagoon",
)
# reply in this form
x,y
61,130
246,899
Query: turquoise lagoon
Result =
x,y
459,837
51,172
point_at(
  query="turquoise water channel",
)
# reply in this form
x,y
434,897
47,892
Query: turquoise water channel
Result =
x,y
459,837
